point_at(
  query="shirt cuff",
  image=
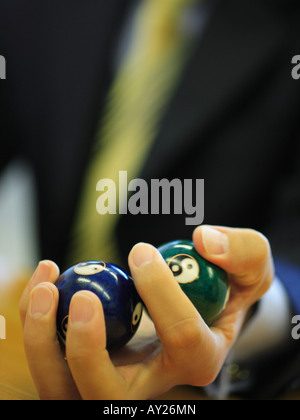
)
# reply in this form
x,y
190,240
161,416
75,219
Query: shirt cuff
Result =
x,y
268,328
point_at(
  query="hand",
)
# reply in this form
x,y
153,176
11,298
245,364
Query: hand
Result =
x,y
186,350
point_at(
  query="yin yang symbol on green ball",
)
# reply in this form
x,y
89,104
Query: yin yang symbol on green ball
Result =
x,y
205,284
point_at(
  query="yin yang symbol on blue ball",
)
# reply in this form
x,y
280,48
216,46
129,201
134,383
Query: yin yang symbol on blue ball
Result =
x,y
121,303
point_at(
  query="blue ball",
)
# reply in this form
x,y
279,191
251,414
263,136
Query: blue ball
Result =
x,y
115,288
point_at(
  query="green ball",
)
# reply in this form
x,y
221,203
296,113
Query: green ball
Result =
x,y
205,284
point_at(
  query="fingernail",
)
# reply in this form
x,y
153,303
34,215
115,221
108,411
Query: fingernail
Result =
x,y
42,273
214,241
81,309
142,254
41,301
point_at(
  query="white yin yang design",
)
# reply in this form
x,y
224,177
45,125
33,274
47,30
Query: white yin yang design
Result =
x,y
184,268
136,316
89,268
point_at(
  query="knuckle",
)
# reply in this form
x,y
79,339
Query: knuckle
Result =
x,y
80,356
191,352
266,283
263,262
183,335
33,341
77,353
255,251
261,246
264,249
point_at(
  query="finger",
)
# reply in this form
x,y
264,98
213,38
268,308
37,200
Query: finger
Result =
x,y
243,253
194,352
47,271
92,369
90,364
161,293
179,325
48,368
185,336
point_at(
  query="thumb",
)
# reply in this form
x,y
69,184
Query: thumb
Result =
x,y
245,254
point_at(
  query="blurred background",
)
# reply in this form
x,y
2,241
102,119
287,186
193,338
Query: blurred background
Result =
x,y
18,239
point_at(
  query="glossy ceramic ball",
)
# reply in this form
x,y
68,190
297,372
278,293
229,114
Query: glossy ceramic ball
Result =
x,y
121,303
205,284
